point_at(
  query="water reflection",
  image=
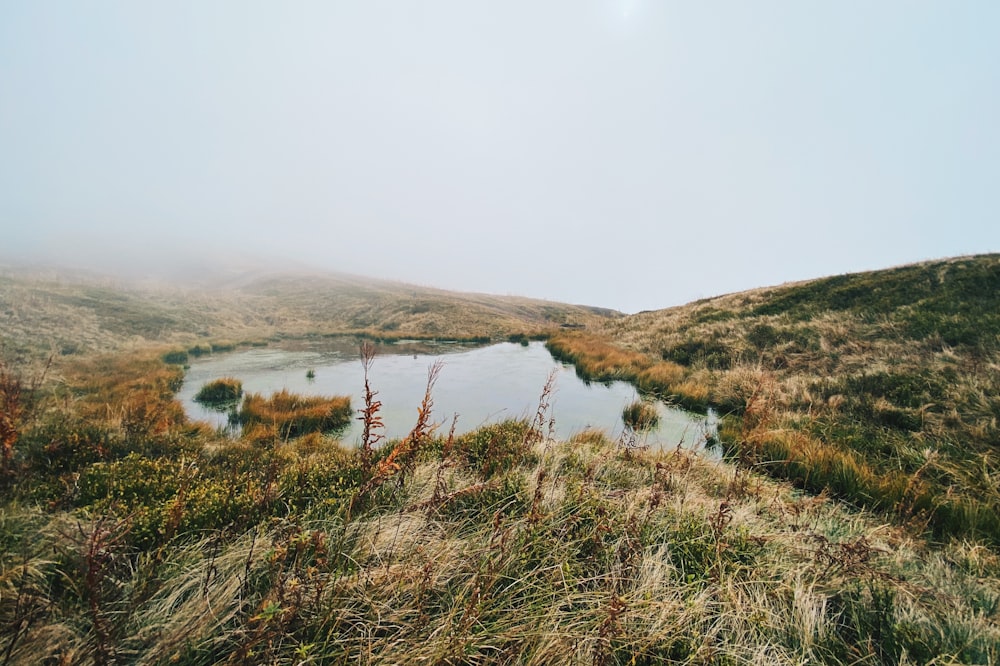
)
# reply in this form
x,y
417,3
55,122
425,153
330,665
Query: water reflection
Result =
x,y
480,384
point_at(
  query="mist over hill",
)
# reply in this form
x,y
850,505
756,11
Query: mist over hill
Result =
x,y
50,309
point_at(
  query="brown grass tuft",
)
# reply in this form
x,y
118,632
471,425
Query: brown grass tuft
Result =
x,y
293,415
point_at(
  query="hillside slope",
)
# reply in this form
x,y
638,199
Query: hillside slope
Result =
x,y
881,387
44,313
338,303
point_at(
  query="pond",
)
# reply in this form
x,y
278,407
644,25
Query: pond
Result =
x,y
480,384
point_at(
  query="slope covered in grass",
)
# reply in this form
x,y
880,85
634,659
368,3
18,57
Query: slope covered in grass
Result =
x,y
65,314
334,302
881,387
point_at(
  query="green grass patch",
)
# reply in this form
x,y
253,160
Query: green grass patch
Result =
x,y
226,390
175,357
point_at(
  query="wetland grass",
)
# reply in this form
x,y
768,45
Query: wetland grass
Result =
x,y
220,392
292,415
176,357
865,385
566,552
641,416
131,535
598,358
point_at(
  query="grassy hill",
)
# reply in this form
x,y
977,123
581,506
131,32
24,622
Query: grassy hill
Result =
x,y
130,535
341,303
63,313
881,387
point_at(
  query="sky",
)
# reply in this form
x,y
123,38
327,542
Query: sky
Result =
x,y
629,154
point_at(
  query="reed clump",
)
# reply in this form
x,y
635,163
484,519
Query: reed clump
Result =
x,y
599,359
661,378
641,416
176,357
222,391
595,358
293,415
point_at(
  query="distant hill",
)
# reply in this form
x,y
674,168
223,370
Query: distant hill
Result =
x,y
340,302
53,311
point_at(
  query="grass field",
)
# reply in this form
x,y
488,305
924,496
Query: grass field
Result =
x,y
130,535
881,388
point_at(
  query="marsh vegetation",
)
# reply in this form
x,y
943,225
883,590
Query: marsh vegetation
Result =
x,y
483,383
285,414
434,546
220,392
880,388
132,534
640,416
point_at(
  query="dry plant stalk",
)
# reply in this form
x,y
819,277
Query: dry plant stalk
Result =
x,y
370,417
542,417
535,435
98,547
401,456
440,486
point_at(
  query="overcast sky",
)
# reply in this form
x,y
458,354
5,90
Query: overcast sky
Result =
x,y
624,153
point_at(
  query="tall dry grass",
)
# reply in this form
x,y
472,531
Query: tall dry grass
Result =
x,y
623,558
597,359
147,540
291,415
880,387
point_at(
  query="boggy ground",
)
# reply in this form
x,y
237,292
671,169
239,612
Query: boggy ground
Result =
x,y
130,535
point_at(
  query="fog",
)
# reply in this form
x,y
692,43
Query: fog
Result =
x,y
626,154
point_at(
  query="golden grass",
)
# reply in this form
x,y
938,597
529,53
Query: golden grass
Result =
x,y
661,377
135,391
174,545
889,378
291,415
569,552
665,558
596,358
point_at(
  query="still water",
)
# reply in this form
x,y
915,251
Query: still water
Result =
x,y
480,384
